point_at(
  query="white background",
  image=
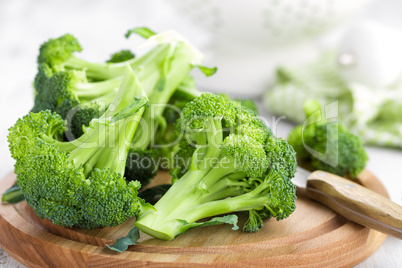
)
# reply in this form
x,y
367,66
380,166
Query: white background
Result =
x,y
100,26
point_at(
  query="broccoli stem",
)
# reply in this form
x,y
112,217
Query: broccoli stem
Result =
x,y
105,71
225,188
187,194
239,203
106,141
192,205
214,136
96,90
116,157
96,71
175,68
227,192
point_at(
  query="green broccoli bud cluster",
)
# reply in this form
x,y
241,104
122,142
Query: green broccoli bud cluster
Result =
x,y
237,165
80,183
86,148
331,147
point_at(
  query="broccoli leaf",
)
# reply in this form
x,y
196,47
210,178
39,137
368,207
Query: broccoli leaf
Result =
x,y
124,242
142,31
13,195
131,109
228,219
208,71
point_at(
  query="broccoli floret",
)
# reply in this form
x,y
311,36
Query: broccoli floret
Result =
x,y
121,56
254,222
71,86
57,52
58,55
69,94
230,172
80,183
282,156
332,147
351,157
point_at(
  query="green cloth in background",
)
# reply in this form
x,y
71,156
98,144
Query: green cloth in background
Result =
x,y
374,114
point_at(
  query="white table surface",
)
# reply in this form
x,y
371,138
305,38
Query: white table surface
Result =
x,y
24,25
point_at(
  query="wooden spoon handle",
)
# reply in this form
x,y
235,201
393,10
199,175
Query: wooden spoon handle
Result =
x,y
356,202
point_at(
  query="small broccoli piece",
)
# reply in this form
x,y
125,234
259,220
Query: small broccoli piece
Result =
x,y
57,52
332,147
80,183
121,56
69,94
254,222
351,156
229,172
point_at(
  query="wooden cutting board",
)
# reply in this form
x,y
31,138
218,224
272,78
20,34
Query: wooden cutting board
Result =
x,y
313,236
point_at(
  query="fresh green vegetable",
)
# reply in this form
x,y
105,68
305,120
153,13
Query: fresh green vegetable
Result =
x,y
13,195
121,56
373,117
328,147
69,94
79,90
80,183
124,242
224,159
235,167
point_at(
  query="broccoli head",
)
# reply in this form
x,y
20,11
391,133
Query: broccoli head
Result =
x,y
69,94
230,171
80,183
351,157
328,147
57,52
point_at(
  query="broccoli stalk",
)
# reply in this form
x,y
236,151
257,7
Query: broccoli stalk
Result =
x,y
331,147
230,172
80,183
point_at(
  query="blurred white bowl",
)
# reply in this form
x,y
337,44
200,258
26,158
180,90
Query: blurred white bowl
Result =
x,y
261,27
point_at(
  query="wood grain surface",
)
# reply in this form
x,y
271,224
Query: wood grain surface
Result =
x,y
313,236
